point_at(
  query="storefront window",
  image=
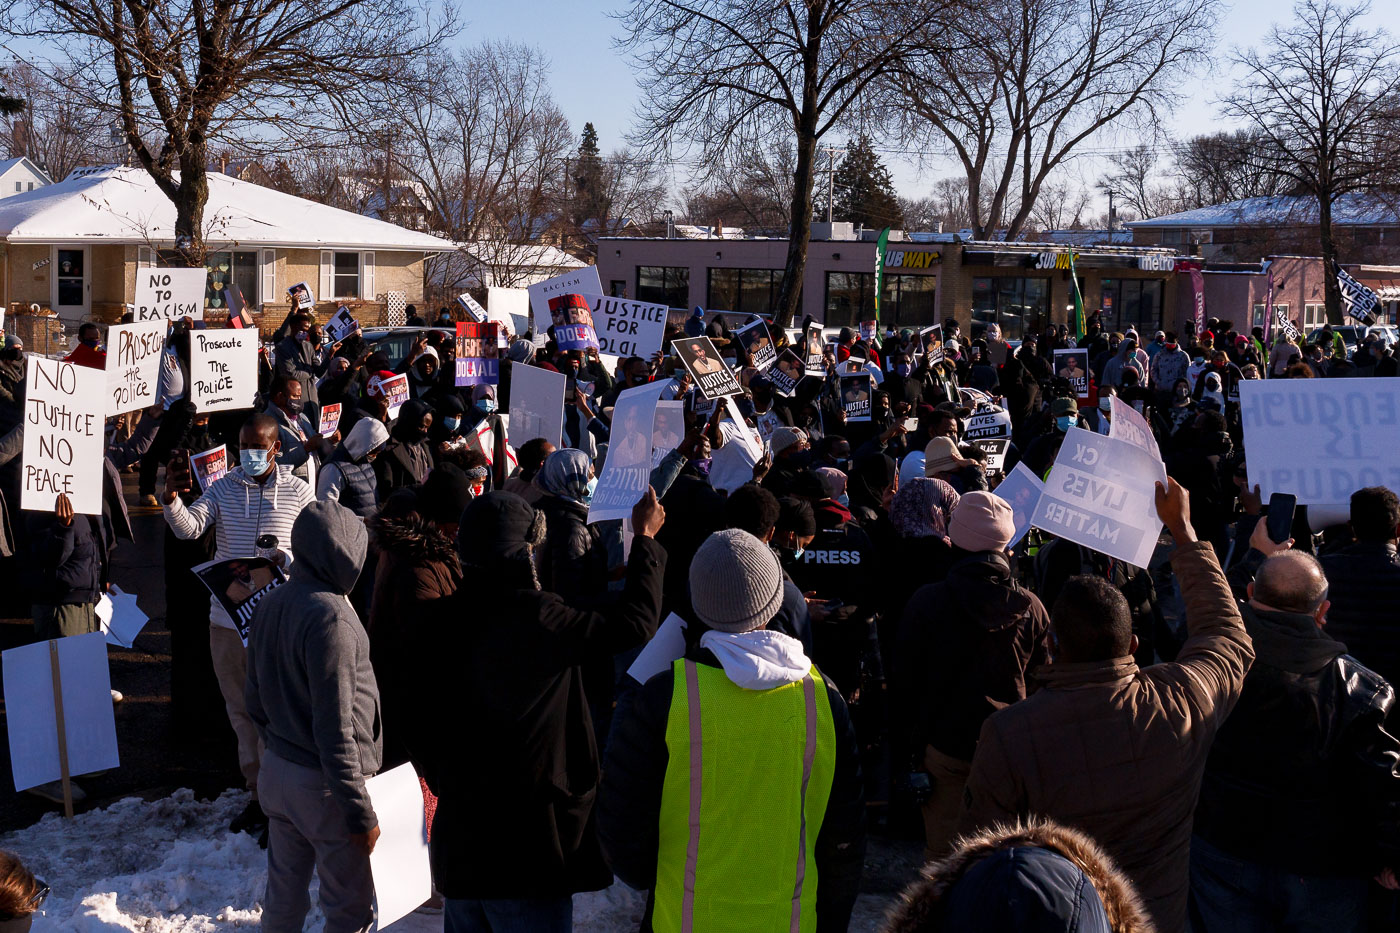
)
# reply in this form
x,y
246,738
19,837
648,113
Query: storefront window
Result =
x,y
1017,305
908,300
1135,303
746,291
664,285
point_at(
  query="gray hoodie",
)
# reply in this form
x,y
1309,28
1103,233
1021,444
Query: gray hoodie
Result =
x,y
311,690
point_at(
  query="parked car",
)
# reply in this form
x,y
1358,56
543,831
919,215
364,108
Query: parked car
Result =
x,y
1352,334
395,342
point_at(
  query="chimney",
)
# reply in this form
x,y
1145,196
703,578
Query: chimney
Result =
x,y
719,228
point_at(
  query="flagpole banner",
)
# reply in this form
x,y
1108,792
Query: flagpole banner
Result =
x,y
1269,307
627,469
1358,302
583,281
1198,291
758,343
1321,439
536,403
627,328
1080,326
478,356
881,245
573,322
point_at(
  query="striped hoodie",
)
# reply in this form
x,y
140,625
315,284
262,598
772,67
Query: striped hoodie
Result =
x,y
241,510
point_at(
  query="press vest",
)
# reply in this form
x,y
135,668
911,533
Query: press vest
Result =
x,y
746,788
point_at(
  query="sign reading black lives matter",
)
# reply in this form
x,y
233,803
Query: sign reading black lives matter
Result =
x,y
223,369
711,375
63,415
758,343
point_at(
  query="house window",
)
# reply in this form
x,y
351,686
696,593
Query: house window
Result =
x,y
31,186
19,186
1280,310
617,288
664,285
744,291
1172,236
346,275
226,268
1017,305
1314,316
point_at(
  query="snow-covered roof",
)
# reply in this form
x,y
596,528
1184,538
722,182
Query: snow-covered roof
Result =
x,y
7,164
707,232
478,263
532,255
1086,237
115,204
1358,208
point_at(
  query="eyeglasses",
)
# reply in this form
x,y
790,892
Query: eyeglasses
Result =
x,y
37,899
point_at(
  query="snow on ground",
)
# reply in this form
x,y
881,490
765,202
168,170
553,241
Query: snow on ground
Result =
x,y
172,866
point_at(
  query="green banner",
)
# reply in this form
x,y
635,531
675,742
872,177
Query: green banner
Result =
x,y
880,269
1079,326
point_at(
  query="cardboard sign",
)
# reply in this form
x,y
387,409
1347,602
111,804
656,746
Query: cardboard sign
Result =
x,y
572,319
471,308
1021,490
1074,366
330,419
814,350
63,444
223,369
123,620
133,365
788,370
627,470
239,584
341,325
1321,439
627,328
667,645
931,344
667,430
583,281
737,431
209,467
1101,494
167,294
302,297
758,343
1127,424
399,864
89,726
509,307
988,422
867,330
478,355
856,392
537,404
712,377
995,449
394,389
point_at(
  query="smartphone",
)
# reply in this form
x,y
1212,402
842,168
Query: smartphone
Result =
x,y
831,605
1280,517
179,466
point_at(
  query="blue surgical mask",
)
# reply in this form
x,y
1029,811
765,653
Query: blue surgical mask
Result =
x,y
486,405
451,423
845,500
797,554
589,490
1065,422
254,460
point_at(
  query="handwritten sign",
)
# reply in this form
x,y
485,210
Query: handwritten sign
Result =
x,y
133,365
583,281
628,328
223,369
167,294
63,415
478,359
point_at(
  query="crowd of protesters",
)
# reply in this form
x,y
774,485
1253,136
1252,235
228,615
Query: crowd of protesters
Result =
x,y
1081,744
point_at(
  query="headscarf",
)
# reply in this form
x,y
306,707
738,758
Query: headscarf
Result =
x,y
870,476
833,481
410,417
565,474
923,508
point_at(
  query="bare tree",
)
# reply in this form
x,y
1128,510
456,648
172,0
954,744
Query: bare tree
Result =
x,y
752,189
180,74
1061,206
56,129
1024,84
1324,92
1133,180
1226,166
723,75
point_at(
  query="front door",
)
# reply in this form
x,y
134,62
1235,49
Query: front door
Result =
x,y
72,283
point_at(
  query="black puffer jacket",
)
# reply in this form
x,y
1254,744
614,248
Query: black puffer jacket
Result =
x,y
574,560
1364,586
1303,775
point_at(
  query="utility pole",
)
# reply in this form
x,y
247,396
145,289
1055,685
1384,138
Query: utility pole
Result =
x,y
830,176
1110,210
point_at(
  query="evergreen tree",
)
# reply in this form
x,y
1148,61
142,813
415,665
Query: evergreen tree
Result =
x,y
590,195
864,193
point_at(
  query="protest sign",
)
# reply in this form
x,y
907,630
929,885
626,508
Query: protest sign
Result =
x,y
573,322
855,396
742,433
583,281
995,449
302,297
667,430
509,307
627,470
712,377
988,422
974,397
341,325
329,420
471,308
478,357
223,369
1101,493
536,404
867,330
758,343
399,864
394,389
1126,424
1021,490
122,619
1074,366
63,415
667,645
814,348
931,344
627,328
33,706
239,584
238,315
209,467
788,370
1321,439
167,294
133,365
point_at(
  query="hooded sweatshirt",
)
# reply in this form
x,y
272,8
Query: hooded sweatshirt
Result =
x,y
241,509
348,475
311,689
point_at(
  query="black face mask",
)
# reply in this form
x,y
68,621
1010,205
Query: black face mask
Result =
x,y
295,406
800,460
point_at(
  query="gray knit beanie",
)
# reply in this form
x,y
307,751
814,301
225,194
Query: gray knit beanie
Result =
x,y
736,584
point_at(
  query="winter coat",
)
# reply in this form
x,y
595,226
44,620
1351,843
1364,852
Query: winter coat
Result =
x,y
407,459
1364,586
69,561
294,432
310,688
965,647
1118,752
574,559
1070,885
1167,367
1307,738
514,762
299,358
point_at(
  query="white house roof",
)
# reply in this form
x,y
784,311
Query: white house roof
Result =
x,y
526,255
1358,208
7,164
114,204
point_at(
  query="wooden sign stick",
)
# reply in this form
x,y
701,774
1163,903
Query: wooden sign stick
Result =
x,y
62,733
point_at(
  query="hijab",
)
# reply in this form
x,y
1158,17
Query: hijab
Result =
x,y
565,474
923,508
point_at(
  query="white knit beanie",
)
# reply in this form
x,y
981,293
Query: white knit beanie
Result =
x,y
784,437
736,584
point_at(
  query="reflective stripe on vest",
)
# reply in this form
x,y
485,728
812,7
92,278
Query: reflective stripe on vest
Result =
x,y
746,787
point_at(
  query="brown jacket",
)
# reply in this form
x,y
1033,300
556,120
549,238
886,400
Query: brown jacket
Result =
x,y
1118,752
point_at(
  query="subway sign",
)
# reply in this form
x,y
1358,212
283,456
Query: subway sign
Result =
x,y
910,259
1053,259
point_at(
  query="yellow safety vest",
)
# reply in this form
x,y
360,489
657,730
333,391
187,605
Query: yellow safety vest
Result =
x,y
746,789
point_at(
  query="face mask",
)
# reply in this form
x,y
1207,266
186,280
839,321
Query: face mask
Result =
x,y
446,319
451,423
303,335
295,406
590,489
845,500
800,460
254,461
902,369
1065,422
1106,403
486,405
90,344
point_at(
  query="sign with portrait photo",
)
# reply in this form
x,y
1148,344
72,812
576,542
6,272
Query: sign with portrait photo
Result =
x,y
931,344
1074,366
758,343
238,585
856,393
301,297
341,325
788,370
815,347
712,377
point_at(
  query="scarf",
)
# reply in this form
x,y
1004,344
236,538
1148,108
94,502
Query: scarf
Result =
x,y
923,508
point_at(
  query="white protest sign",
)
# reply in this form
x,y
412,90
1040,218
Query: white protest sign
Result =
x,y
122,620
743,434
133,365
63,415
628,328
995,449
988,422
399,864
471,308
1101,493
1321,439
665,646
1021,490
509,306
341,325
223,369
1127,425
536,404
167,294
627,470
89,727
583,281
